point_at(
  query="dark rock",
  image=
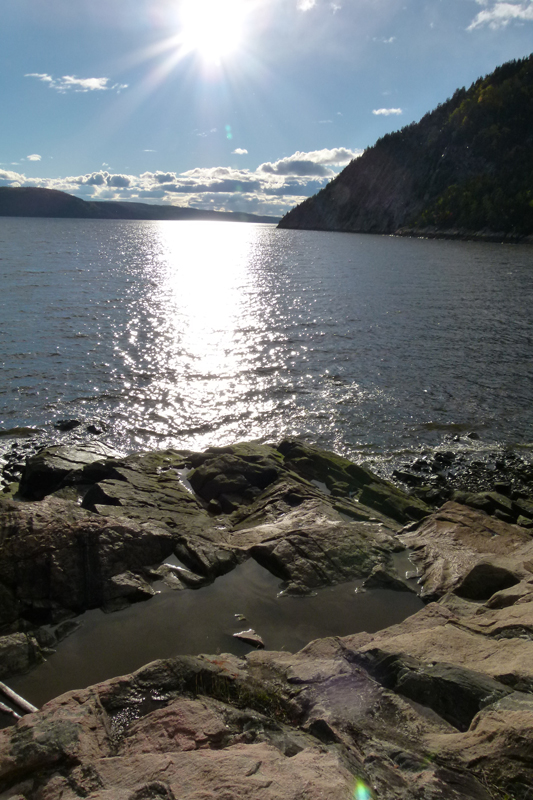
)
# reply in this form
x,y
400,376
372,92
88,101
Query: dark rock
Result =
x,y
66,629
18,653
454,693
44,472
484,579
329,468
502,487
408,477
233,472
67,424
393,503
96,429
56,558
523,507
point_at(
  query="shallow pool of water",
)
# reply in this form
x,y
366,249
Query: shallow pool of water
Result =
x,y
204,621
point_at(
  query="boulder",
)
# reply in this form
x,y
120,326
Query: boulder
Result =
x,y
243,472
18,653
312,545
45,471
56,558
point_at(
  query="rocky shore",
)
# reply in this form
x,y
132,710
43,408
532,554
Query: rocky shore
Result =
x,y
438,706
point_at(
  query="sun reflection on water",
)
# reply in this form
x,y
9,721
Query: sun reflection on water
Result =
x,y
201,280
227,339
203,303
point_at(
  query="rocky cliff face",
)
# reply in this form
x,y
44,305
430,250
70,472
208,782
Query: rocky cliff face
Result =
x,y
467,166
374,194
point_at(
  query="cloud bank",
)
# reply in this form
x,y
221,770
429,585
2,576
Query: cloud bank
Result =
x,y
273,188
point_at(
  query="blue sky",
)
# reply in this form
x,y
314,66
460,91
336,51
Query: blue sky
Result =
x,y
247,105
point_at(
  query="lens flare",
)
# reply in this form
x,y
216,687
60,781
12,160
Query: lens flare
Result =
x,y
362,792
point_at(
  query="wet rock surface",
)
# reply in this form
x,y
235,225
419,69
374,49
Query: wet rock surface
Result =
x,y
496,481
89,528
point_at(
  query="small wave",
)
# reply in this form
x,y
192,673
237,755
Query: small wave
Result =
x,y
19,432
451,427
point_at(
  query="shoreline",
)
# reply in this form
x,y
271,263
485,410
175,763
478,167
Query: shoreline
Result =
x,y
491,237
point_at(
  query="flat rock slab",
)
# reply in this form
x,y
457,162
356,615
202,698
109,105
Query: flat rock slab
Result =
x,y
250,637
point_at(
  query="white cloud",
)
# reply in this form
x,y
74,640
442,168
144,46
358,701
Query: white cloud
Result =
x,y
386,112
85,84
71,83
305,5
499,14
239,151
10,178
42,76
33,157
314,163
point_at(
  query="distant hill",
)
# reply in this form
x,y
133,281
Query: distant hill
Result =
x,y
33,202
465,168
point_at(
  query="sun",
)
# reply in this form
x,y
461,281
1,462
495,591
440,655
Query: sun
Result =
x,y
214,29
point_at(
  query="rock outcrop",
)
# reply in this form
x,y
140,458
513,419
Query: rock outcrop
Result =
x,y
440,705
91,529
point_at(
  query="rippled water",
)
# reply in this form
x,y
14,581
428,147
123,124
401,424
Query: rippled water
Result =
x,y
193,334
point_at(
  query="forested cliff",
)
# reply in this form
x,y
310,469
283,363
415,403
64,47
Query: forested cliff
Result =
x,y
467,166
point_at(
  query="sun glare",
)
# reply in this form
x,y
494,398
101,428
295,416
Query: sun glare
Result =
x,y
213,28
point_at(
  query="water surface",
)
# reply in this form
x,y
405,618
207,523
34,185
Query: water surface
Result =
x,y
192,334
204,621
